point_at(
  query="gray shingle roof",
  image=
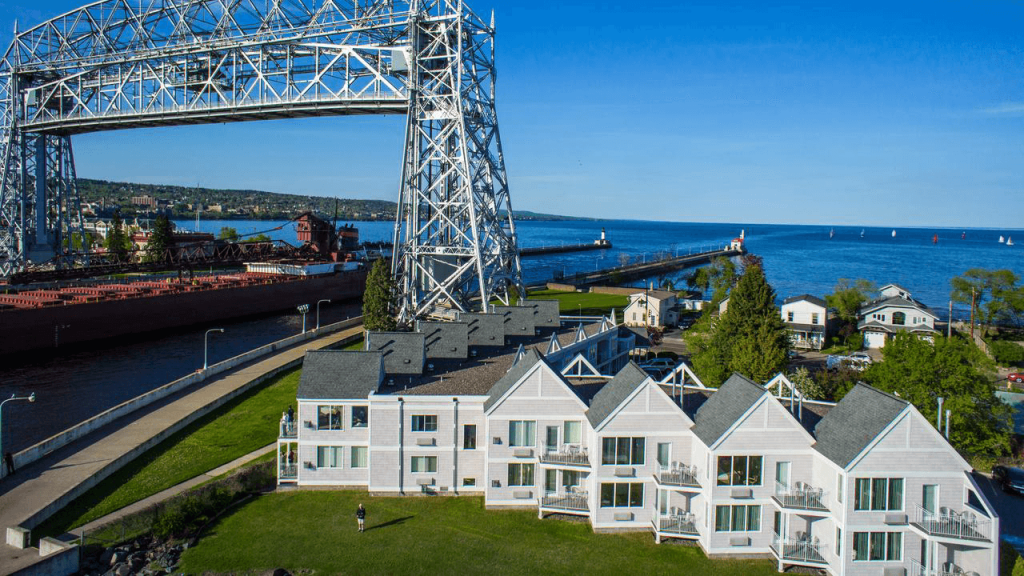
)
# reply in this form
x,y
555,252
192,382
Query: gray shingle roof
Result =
x,y
656,294
485,329
339,375
893,301
546,313
806,297
403,351
615,392
725,407
855,422
445,339
518,320
530,358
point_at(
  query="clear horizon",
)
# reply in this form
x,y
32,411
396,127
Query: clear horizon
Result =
x,y
906,115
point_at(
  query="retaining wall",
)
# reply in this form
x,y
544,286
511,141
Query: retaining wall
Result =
x,y
617,290
561,287
37,451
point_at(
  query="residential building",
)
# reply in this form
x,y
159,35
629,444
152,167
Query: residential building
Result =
x,y
894,311
654,308
562,424
806,318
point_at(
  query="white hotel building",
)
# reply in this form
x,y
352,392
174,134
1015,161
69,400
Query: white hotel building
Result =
x,y
563,424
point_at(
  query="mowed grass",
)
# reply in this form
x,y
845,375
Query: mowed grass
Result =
x,y
241,426
572,303
316,531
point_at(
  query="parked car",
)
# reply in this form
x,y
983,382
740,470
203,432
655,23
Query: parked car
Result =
x,y
861,357
858,361
793,354
1016,377
1010,479
659,363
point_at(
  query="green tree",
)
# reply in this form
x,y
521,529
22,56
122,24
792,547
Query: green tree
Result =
x,y
228,233
956,370
848,297
717,278
259,238
749,338
379,299
807,385
993,293
161,239
117,242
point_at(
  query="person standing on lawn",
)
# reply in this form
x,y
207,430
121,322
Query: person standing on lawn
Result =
x,y
361,518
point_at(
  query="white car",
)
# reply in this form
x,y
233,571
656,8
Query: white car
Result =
x,y
861,357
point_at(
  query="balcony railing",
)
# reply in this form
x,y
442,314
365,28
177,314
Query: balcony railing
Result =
x,y
801,497
288,472
566,456
289,429
576,502
683,524
951,524
793,550
678,475
948,569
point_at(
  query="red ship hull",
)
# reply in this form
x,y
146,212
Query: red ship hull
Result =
x,y
84,320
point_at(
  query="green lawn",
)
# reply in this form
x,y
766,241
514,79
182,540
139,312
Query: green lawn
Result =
x,y
239,427
315,531
571,303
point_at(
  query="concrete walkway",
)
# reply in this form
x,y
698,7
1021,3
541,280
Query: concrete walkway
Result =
x,y
37,491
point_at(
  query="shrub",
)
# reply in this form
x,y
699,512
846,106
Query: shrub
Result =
x,y
1007,353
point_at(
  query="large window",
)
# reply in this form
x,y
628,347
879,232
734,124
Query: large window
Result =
x,y
522,433
328,417
742,518
520,474
879,494
424,464
422,423
899,318
330,456
573,432
360,416
359,457
469,437
739,470
878,546
623,451
622,495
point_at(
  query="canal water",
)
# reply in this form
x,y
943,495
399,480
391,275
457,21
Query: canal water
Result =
x,y
73,385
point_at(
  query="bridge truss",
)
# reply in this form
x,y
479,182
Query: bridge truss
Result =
x,y
120,64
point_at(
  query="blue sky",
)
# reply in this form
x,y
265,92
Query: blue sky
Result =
x,y
895,113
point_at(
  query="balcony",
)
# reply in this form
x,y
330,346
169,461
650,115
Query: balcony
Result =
x,y
681,524
791,550
576,501
568,455
287,472
948,569
947,523
800,496
679,475
289,430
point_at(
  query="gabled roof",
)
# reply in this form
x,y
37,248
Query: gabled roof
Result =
x,y
485,329
872,325
445,339
854,423
615,392
403,351
340,375
894,301
655,294
725,407
529,359
806,298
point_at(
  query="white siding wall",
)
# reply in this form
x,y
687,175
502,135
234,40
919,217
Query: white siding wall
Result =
x,y
803,313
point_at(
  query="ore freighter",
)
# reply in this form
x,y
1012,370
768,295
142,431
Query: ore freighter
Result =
x,y
32,318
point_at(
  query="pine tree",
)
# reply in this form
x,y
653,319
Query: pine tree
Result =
x,y
161,239
117,242
379,299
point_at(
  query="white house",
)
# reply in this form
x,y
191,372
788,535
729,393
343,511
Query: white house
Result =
x,y
806,318
655,308
894,311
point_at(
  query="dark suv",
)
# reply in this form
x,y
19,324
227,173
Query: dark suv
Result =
x,y
1010,479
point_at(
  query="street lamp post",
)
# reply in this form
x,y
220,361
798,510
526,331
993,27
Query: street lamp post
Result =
x,y
206,346
31,398
318,312
303,309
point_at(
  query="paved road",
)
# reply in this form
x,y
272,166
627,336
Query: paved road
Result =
x,y
1010,508
64,471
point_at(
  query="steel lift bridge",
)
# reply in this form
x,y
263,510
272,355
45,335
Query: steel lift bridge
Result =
x,y
121,64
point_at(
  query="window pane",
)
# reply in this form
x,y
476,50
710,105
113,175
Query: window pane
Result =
x,y
860,546
359,457
636,495
321,456
469,437
754,518
724,470
878,493
360,416
622,451
754,476
895,494
739,519
432,463
663,450
515,428
721,518
895,551
639,451
739,470
431,423
513,474
608,451
527,473
621,495
877,546
531,430
337,456
862,498
573,432
607,495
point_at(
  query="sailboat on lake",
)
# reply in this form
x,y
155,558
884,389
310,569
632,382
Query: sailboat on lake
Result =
x,y
893,233
1001,239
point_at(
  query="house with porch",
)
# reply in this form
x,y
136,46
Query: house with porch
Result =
x,y
653,308
894,311
806,318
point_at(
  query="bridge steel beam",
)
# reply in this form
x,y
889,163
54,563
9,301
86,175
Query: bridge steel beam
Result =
x,y
121,64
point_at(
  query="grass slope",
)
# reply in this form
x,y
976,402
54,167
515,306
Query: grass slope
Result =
x,y
592,304
316,531
239,427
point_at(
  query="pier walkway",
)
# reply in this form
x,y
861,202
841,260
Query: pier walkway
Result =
x,y
39,489
632,272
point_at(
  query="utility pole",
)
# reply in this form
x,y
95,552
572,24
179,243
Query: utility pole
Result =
x,y
949,325
974,296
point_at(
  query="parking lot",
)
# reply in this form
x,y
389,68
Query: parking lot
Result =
x,y
1010,508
